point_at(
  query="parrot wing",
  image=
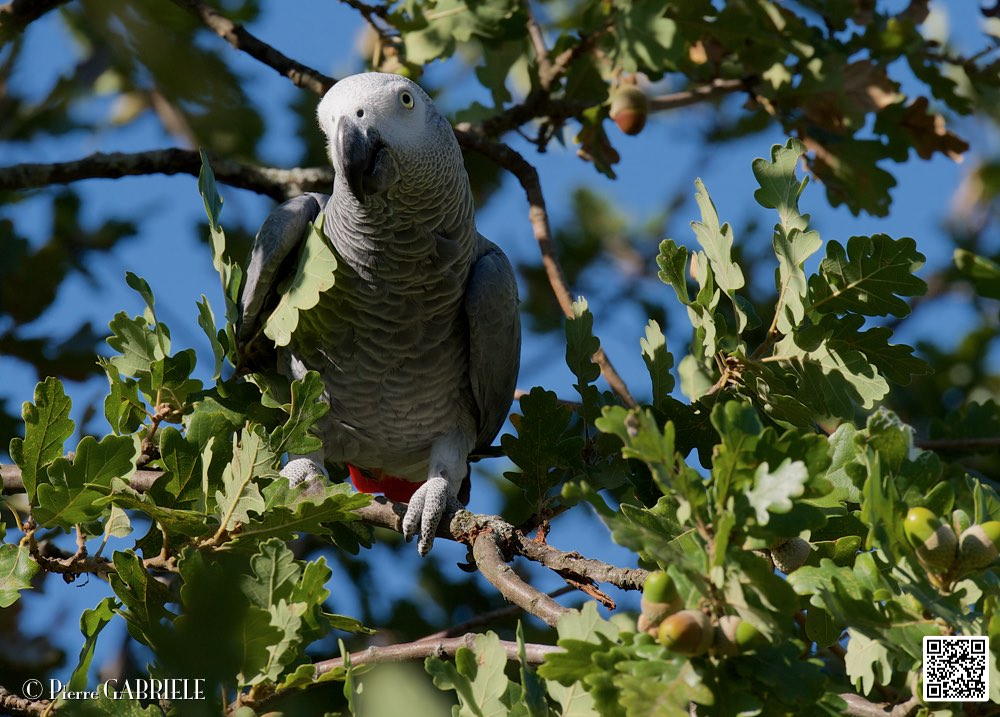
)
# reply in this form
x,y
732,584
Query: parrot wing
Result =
x,y
273,255
491,305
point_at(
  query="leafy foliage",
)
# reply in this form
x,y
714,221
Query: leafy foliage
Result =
x,y
790,393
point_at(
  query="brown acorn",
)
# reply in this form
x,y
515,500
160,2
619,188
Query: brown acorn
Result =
x,y
688,632
629,109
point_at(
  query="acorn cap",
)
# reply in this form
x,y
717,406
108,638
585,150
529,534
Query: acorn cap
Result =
x,y
979,545
688,632
790,555
937,553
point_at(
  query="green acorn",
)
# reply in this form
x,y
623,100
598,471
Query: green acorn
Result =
x,y
629,109
659,599
790,555
933,541
688,632
734,635
978,546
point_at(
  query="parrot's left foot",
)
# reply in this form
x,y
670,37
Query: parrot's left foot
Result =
x,y
307,471
428,507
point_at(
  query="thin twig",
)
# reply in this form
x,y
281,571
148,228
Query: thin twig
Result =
x,y
279,184
527,175
958,444
545,73
237,36
675,100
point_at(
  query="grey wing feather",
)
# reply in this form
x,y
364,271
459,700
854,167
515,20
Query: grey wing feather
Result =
x,y
278,238
491,305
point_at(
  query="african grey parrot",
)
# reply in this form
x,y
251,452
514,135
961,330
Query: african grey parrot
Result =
x,y
418,341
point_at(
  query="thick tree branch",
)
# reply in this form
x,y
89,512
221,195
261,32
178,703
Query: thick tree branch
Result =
x,y
443,648
16,706
279,184
491,563
18,14
527,175
237,36
493,540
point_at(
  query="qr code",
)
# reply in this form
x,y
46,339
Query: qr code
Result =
x,y
955,669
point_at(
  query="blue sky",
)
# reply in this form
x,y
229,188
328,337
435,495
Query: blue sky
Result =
x,y
668,154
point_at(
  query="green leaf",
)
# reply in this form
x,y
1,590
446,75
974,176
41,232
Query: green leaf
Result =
x,y
717,243
477,676
658,361
180,521
533,690
312,514
543,448
315,274
69,492
843,453
867,662
230,274
275,574
138,345
180,485
258,636
869,277
17,568
240,494
123,408
773,490
142,596
206,320
304,411
645,40
91,624
982,272
793,243
47,425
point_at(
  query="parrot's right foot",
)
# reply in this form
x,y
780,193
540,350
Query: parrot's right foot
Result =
x,y
428,507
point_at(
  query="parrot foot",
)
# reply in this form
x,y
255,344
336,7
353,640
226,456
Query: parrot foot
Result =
x,y
308,471
428,507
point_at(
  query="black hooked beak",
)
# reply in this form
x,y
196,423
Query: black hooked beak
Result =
x,y
359,151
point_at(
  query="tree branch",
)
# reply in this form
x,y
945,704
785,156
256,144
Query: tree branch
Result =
x,y
237,36
527,175
18,14
19,706
858,706
488,617
493,540
442,648
279,184
675,100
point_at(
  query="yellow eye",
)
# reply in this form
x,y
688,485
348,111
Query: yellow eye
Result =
x,y
406,99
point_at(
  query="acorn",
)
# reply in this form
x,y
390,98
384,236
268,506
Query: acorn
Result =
x,y
978,546
790,555
659,599
688,632
934,542
629,109
734,635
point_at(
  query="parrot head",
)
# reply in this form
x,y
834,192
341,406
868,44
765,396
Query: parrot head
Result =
x,y
383,130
